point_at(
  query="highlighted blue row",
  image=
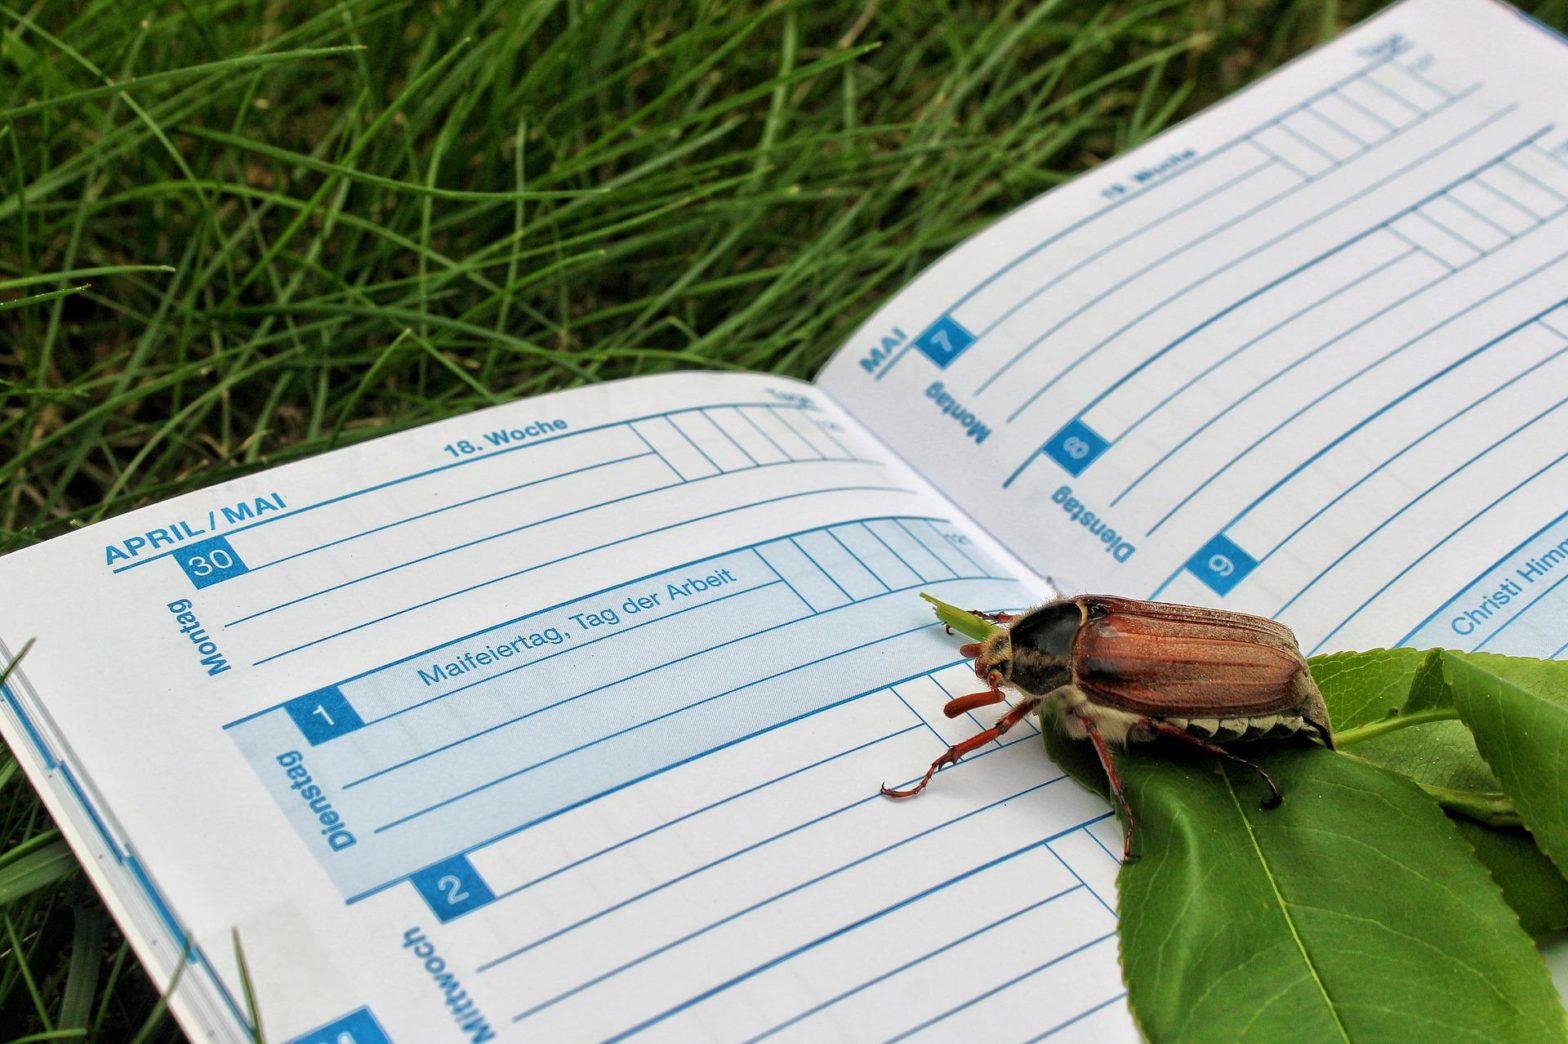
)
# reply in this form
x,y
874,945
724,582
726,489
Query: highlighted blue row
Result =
x,y
1075,447
944,340
1221,564
210,561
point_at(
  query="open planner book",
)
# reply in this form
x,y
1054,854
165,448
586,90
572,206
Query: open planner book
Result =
x,y
566,719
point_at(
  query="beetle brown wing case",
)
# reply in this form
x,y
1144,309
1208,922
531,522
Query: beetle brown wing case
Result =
x,y
1167,661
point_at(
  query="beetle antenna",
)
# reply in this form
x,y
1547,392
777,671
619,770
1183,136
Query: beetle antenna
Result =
x,y
1167,729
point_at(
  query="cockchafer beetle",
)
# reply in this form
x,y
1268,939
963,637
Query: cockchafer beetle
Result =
x,y
1119,671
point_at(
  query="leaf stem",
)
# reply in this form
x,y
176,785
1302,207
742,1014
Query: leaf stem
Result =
x,y
1361,733
961,620
1487,807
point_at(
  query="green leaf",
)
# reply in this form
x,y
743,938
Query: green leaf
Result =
x,y
1518,710
1353,911
1529,880
1394,685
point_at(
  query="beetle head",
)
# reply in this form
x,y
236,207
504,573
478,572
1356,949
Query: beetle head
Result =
x,y
1039,646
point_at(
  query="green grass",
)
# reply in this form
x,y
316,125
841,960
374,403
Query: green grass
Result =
x,y
238,233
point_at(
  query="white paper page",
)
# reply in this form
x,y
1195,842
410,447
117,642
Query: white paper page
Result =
x,y
1305,354
562,720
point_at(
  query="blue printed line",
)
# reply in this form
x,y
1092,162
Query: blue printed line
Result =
x,y
92,813
795,430
693,444
1334,125
1526,175
1368,113
925,547
1214,273
1462,205
819,941
1219,151
471,791
448,507
1413,245
712,805
1333,160
1079,1017
1375,414
1281,160
733,441
1110,247
489,455
1009,984
907,965
1450,233
1358,280
530,824
1517,616
813,610
817,879
896,556
1206,425
1229,309
955,548
1353,377
1427,553
1534,218
747,418
558,703
1400,98
794,952
27,725
423,653
1079,877
1479,576
1415,74
921,718
796,544
576,554
866,565
1407,448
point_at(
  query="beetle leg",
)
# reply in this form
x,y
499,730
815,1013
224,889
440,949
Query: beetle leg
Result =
x,y
1167,729
994,617
969,650
965,704
975,742
1116,784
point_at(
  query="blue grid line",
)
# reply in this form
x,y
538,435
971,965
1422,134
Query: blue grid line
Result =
x,y
709,807
510,831
1355,376
1281,237
427,472
1407,448
693,444
1462,205
1479,576
1381,410
1520,614
791,954
733,441
471,791
563,700
1450,233
576,554
1533,217
1009,984
796,544
913,962
1427,553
